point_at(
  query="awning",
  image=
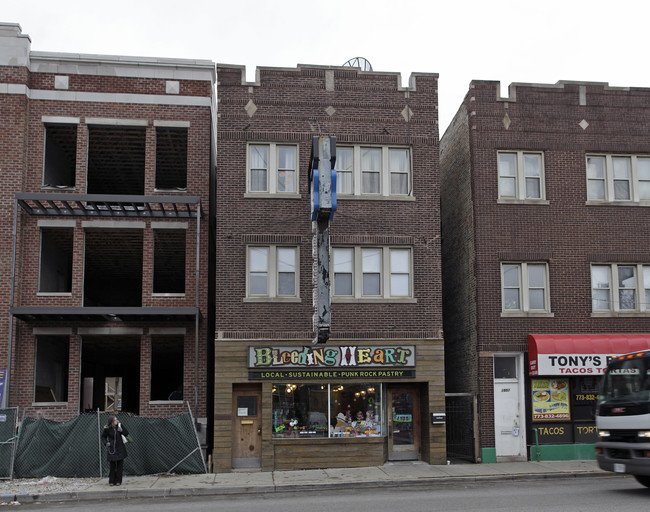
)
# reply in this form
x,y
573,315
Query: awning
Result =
x,y
32,314
579,354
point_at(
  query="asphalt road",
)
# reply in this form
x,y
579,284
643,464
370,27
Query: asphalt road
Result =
x,y
590,494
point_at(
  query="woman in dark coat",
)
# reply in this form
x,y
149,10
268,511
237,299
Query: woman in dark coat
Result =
x,y
112,439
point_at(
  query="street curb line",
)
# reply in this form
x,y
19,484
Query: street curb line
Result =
x,y
165,492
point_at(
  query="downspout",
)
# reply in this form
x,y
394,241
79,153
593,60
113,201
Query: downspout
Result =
x,y
5,396
198,310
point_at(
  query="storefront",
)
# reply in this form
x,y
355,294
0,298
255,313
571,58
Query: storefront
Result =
x,y
565,372
284,406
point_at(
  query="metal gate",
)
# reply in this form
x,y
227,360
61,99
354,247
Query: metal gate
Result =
x,y
8,430
462,426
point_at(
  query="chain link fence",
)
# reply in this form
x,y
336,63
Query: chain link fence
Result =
x,y
73,449
8,437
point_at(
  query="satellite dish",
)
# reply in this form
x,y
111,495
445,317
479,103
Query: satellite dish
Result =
x,y
359,62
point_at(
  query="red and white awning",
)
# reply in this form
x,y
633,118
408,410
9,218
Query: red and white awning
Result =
x,y
579,354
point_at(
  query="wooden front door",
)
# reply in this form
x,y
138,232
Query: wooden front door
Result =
x,y
247,426
404,423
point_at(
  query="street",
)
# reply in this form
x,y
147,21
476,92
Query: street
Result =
x,y
591,494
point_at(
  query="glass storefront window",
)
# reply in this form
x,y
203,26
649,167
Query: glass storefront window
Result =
x,y
301,410
355,410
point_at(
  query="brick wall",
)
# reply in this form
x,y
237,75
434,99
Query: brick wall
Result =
x,y
567,233
291,107
21,167
458,256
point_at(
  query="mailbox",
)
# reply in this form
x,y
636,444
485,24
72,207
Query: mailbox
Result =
x,y
438,418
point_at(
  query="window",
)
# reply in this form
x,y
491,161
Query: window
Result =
x,y
273,169
370,170
169,261
56,260
113,267
373,171
505,367
521,175
344,171
301,410
51,375
59,169
524,287
167,356
116,159
618,178
620,288
372,272
399,171
343,271
171,159
272,272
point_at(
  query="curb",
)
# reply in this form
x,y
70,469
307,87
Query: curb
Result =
x,y
168,492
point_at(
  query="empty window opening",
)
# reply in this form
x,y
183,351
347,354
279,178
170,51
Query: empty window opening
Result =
x,y
116,158
51,379
113,268
171,159
110,371
60,156
169,261
167,367
56,260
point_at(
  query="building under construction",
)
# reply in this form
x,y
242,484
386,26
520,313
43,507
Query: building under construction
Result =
x,y
104,220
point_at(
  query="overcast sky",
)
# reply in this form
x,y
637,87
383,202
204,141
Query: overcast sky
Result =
x,y
539,41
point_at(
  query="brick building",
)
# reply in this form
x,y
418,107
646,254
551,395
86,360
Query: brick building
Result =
x,y
105,164
366,395
546,271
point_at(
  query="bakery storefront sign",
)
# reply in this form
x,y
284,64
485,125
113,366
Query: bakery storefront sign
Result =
x,y
338,362
579,354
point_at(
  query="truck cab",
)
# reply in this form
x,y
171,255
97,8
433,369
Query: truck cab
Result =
x,y
623,417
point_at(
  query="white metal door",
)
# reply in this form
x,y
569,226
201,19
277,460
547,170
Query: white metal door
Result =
x,y
509,427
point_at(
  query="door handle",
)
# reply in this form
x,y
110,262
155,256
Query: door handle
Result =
x,y
259,431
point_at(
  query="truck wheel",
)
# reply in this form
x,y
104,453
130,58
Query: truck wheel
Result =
x,y
643,480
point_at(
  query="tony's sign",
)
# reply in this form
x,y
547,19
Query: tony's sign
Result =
x,y
569,364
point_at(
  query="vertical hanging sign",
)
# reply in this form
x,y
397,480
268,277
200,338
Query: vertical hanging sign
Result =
x,y
322,177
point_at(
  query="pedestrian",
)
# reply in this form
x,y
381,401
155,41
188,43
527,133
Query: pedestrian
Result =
x,y
113,438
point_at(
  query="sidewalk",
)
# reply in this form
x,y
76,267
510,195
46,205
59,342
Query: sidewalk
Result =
x,y
398,474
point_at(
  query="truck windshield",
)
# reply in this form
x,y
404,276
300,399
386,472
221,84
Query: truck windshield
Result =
x,y
627,380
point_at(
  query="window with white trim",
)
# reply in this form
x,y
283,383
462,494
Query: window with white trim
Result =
x,y
344,171
521,175
612,178
524,287
272,271
372,272
272,169
369,171
620,288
